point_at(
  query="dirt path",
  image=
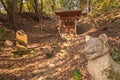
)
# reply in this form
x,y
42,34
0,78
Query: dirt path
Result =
x,y
37,66
33,30
34,67
63,62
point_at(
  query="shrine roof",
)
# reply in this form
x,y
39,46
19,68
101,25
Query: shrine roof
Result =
x,y
70,13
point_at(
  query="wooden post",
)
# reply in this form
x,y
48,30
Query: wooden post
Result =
x,y
75,25
59,24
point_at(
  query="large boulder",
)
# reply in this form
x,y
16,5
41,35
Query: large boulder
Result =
x,y
82,28
100,65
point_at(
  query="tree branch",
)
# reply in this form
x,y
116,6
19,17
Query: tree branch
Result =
x,y
4,5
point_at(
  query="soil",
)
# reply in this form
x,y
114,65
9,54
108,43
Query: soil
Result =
x,y
68,52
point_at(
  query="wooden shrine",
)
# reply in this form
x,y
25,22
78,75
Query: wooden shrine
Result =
x,y
68,21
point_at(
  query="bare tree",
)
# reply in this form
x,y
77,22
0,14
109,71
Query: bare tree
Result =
x,y
21,6
10,9
36,9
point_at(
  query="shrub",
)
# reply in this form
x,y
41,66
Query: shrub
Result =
x,y
116,55
76,74
104,7
1,33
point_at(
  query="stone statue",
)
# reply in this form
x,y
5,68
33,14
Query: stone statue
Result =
x,y
100,65
21,40
21,44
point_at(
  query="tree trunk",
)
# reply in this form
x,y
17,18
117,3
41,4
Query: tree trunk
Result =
x,y
9,13
36,9
28,7
53,5
11,20
4,5
41,15
41,6
88,6
21,6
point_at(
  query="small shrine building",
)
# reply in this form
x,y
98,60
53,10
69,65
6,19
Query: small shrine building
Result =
x,y
68,21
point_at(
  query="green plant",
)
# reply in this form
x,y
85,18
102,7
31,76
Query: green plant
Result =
x,y
1,33
32,52
104,7
53,49
118,61
76,74
1,37
20,53
53,45
116,55
50,54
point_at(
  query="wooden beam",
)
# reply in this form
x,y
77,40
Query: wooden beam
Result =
x,y
67,18
71,13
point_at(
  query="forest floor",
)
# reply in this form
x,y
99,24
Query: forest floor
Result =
x,y
55,58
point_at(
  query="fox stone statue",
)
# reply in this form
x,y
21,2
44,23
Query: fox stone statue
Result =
x,y
100,65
